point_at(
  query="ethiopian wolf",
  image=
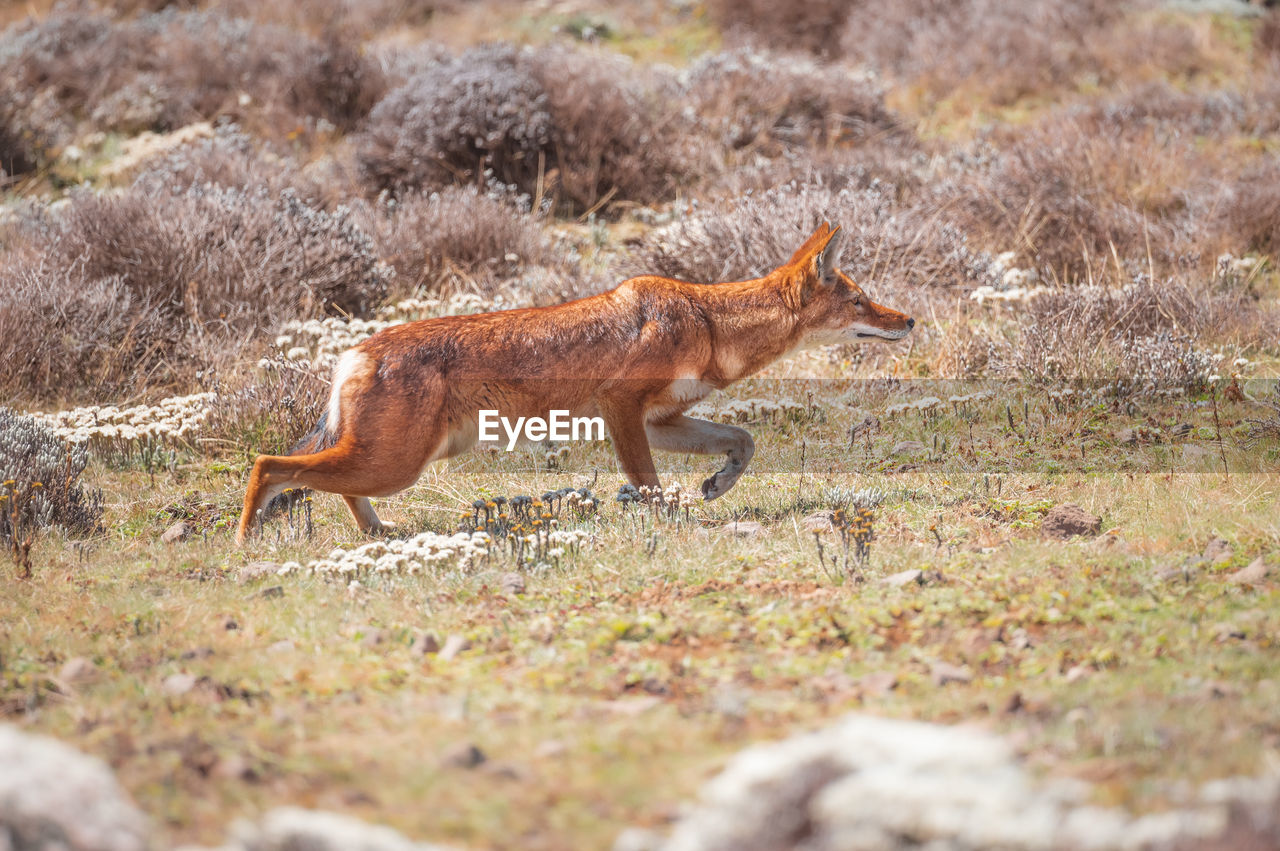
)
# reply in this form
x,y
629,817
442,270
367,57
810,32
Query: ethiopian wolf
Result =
x,y
637,357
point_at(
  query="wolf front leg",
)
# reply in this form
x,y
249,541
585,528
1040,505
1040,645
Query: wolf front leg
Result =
x,y
627,431
686,434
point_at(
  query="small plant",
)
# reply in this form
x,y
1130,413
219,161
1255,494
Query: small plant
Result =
x,y
39,487
856,529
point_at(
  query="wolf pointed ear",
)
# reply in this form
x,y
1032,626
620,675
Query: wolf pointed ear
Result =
x,y
828,258
816,238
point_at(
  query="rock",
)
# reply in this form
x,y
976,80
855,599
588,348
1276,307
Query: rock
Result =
x,y
638,839
78,671
906,577
944,673
513,583
1218,551
743,529
176,685
196,653
54,797
229,623
256,570
426,643
875,784
179,531
1251,575
296,829
1126,437
453,645
819,521
464,755
908,447
270,592
373,637
1068,520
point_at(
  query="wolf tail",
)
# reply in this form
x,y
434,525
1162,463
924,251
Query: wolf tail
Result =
x,y
320,437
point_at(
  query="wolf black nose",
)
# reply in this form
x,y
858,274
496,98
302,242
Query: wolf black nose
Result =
x,y
911,323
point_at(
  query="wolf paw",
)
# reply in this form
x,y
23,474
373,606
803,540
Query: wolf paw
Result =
x,y
711,488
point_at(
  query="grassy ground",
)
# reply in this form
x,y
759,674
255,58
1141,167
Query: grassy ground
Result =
x,y
609,689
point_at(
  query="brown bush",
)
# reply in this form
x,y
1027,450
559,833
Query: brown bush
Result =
x,y
166,284
1010,49
456,120
1167,110
1146,333
61,331
1071,198
813,25
432,238
160,71
1250,214
579,125
40,487
762,100
618,131
1266,37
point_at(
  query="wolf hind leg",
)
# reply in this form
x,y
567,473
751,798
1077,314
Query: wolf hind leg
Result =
x,y
366,518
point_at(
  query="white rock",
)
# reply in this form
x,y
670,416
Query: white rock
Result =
x,y
53,796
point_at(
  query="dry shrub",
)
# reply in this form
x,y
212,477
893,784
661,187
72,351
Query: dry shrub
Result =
x,y
44,67
1250,214
762,100
964,351
455,119
360,16
202,64
548,120
1167,110
1266,37
166,284
60,331
1072,197
618,131
1145,333
813,25
162,70
39,486
264,410
458,232
1011,49
20,150
889,245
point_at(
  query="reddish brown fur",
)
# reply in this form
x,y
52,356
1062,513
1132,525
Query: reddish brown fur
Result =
x,y
638,356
